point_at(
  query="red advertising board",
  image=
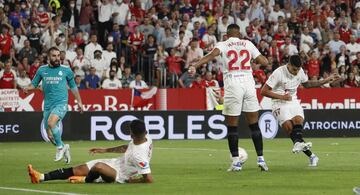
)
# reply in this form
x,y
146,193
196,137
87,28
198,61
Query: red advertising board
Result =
x,y
181,99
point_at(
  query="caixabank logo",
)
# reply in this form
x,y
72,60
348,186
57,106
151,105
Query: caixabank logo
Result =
x,y
268,125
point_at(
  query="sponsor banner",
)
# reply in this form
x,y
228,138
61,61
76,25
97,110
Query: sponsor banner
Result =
x,y
176,99
27,126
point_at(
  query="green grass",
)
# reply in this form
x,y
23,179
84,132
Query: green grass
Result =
x,y
199,167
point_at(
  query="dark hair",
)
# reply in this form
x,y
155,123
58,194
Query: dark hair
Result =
x,y
53,49
232,27
295,60
137,128
138,73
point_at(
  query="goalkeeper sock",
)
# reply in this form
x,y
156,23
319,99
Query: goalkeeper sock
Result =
x,y
233,141
257,138
63,173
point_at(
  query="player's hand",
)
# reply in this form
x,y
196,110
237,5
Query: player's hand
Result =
x,y
25,90
286,97
93,151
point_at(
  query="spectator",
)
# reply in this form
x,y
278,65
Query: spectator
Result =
x,y
112,82
342,58
306,41
313,66
80,60
168,41
242,22
99,63
146,28
138,83
180,44
174,66
336,43
7,77
210,82
194,53
5,42
275,14
79,82
34,67
86,16
23,81
187,77
18,40
222,26
292,50
127,77
34,38
104,18
109,53
351,81
353,48
115,67
135,41
198,83
28,52
345,32
209,39
92,81
149,50
121,12
92,47
255,11
71,15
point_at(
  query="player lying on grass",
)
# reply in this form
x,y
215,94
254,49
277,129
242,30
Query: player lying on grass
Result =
x,y
132,167
281,87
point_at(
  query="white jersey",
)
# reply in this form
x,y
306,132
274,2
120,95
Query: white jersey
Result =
x,y
136,159
282,81
236,55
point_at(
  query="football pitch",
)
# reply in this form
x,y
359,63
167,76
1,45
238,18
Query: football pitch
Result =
x,y
196,167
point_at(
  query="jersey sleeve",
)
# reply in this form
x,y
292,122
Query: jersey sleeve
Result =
x,y
253,50
70,79
273,79
304,77
37,78
141,164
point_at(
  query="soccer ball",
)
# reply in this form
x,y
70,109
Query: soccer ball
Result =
x,y
243,155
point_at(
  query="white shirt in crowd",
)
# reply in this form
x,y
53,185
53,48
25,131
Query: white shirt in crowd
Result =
x,y
111,84
282,81
207,39
222,28
274,16
138,84
123,13
353,48
200,19
99,65
104,11
243,24
81,61
23,82
90,48
19,42
108,56
292,49
303,46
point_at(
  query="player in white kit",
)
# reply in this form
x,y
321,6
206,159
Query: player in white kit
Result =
x,y
282,87
240,93
132,167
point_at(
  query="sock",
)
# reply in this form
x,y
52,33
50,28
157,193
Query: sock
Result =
x,y
107,179
233,141
296,134
63,173
92,175
308,153
57,137
261,158
257,138
42,177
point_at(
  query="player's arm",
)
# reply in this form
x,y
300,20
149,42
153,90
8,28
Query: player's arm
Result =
x,y
34,83
210,56
146,178
266,91
318,83
118,149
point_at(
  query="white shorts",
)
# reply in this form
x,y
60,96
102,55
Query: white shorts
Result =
x,y
112,162
240,95
286,111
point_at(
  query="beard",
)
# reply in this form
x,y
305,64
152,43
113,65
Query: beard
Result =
x,y
55,63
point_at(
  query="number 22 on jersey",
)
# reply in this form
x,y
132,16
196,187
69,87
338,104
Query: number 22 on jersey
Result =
x,y
234,56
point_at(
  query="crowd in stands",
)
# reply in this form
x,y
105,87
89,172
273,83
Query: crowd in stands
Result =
x,y
114,44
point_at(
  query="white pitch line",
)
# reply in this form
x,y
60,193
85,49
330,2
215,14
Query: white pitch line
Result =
x,y
39,191
221,150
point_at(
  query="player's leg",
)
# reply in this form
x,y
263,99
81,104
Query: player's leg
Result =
x,y
232,123
57,114
250,109
58,174
103,170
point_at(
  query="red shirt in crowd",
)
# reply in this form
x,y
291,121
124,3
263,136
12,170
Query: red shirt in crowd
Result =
x,y
211,83
174,64
32,71
313,68
7,80
5,44
137,12
43,18
345,35
260,74
198,85
136,39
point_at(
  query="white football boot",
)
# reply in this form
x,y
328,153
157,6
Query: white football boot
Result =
x,y
313,161
301,146
60,152
235,165
67,156
262,164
